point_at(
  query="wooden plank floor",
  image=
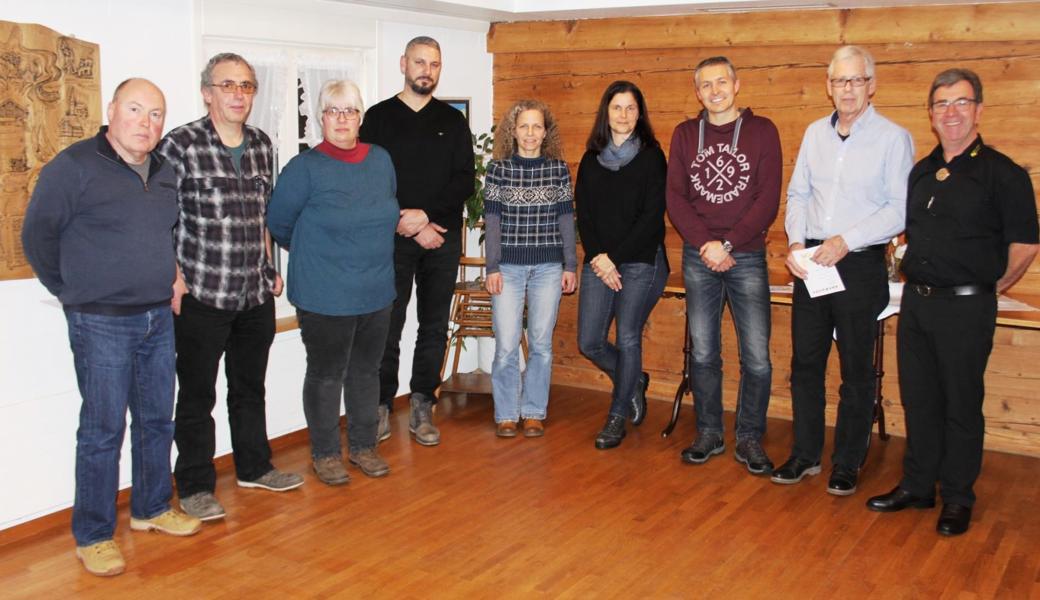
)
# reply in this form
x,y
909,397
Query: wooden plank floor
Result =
x,y
482,517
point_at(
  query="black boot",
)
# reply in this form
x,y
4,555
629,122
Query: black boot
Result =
x,y
638,404
612,434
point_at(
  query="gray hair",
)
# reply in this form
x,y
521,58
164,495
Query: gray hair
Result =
x,y
952,76
710,62
340,87
422,40
223,57
847,52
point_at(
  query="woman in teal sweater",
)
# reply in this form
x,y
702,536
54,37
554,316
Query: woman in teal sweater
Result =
x,y
334,208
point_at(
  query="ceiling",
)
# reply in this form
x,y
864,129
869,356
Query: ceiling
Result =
x,y
541,10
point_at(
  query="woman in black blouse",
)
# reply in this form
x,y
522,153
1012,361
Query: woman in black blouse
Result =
x,y
620,204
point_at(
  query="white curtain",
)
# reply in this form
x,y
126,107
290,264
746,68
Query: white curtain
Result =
x,y
313,71
269,104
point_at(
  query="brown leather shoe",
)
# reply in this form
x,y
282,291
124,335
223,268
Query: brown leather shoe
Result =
x,y
370,463
506,429
533,428
330,470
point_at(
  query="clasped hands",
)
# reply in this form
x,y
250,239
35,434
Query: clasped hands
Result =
x,y
415,224
606,270
715,257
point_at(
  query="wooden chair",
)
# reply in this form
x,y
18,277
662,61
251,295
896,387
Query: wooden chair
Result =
x,y
470,314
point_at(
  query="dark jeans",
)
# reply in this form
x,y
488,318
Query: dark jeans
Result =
x,y
121,362
343,355
745,286
434,273
598,305
852,316
944,344
243,338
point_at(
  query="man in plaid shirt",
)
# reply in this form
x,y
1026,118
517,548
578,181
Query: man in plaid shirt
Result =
x,y
224,303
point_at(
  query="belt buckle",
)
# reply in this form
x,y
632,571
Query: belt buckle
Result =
x,y
923,290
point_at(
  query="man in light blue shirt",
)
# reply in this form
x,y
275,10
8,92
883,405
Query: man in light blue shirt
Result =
x,y
847,198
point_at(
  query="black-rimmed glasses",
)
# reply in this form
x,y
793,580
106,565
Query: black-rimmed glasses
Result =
x,y
857,81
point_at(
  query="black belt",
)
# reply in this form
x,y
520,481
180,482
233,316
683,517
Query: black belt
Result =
x,y
874,248
956,290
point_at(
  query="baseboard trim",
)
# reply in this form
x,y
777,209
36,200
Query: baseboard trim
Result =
x,y
48,523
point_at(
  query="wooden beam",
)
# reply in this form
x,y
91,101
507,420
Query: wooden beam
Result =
x,y
909,25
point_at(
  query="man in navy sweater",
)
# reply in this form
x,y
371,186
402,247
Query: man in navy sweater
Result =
x,y
432,150
99,235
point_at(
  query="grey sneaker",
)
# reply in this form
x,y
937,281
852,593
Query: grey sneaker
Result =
x,y
370,463
275,481
203,506
383,432
750,453
703,448
420,422
330,470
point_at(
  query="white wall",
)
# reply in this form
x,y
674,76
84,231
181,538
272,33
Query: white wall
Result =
x,y
161,40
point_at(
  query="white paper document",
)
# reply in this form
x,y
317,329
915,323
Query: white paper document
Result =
x,y
821,280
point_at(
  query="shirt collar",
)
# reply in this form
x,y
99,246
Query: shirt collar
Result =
x,y
970,152
861,122
104,148
214,137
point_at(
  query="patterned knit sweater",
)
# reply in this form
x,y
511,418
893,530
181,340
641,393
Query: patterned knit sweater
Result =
x,y
529,213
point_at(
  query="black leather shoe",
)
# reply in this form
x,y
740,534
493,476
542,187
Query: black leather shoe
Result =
x,y
842,481
794,470
954,519
612,434
638,407
897,500
703,448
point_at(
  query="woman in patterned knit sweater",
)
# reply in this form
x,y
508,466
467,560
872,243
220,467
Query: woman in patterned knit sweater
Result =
x,y
531,258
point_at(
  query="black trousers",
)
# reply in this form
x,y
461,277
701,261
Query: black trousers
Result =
x,y
343,355
434,273
852,316
243,338
943,347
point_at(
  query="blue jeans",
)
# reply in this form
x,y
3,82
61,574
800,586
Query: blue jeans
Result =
x,y
524,396
598,305
122,362
746,287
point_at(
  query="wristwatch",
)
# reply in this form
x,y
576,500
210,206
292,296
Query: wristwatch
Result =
x,y
728,247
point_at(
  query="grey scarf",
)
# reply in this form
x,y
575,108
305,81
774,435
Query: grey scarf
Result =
x,y
614,157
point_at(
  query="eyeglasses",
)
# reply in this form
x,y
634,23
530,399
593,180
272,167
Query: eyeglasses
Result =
x,y
230,87
349,113
962,104
857,81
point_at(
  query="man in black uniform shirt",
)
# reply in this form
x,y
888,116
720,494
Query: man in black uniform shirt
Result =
x,y
971,232
432,151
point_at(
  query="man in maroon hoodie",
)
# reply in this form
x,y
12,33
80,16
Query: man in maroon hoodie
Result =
x,y
723,193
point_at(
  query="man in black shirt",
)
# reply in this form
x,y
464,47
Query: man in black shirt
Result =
x,y
432,151
971,232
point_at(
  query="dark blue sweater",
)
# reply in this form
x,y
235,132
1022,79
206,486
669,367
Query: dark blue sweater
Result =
x,y
338,221
99,238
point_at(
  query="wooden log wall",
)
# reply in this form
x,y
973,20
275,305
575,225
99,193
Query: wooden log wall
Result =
x,y
781,57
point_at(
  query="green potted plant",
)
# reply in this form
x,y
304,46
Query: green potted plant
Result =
x,y
482,150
